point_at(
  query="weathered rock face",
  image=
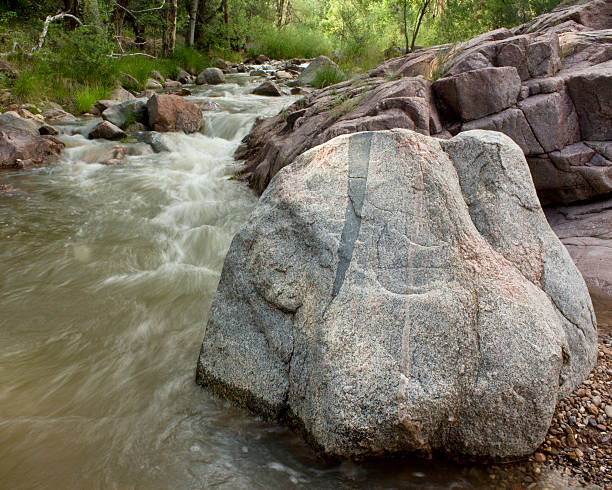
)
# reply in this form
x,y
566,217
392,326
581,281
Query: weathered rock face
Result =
x,y
547,84
393,292
173,113
133,110
586,232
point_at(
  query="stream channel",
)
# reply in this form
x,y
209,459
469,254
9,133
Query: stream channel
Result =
x,y
107,275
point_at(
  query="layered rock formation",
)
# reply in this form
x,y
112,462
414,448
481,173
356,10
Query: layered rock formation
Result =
x,y
394,292
546,84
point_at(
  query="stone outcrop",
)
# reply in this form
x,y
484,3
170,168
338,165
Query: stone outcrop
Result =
x,y
586,232
393,292
547,84
173,113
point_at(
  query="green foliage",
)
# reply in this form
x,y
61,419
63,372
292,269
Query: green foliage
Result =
x,y
26,85
80,55
85,97
190,59
328,75
289,42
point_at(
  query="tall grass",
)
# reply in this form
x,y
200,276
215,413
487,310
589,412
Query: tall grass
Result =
x,y
85,97
328,75
290,42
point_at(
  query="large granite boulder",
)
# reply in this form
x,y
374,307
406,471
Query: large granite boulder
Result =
x,y
393,292
173,113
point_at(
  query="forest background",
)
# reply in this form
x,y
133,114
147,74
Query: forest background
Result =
x,y
75,51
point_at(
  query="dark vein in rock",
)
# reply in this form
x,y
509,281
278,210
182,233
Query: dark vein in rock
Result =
x,y
359,162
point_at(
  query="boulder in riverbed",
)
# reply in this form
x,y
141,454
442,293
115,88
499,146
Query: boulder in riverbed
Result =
x,y
108,131
392,292
133,110
20,149
211,76
268,88
173,113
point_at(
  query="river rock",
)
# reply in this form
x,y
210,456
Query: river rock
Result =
x,y
12,122
260,59
21,149
156,75
119,94
211,76
134,110
309,74
129,81
108,131
105,154
184,77
392,292
172,84
173,113
268,88
153,84
57,114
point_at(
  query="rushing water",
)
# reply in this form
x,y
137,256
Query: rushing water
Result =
x,y
107,274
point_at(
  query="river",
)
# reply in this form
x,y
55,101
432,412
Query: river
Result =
x,y
107,274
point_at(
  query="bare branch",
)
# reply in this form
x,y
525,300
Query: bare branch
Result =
x,y
163,4
48,20
120,55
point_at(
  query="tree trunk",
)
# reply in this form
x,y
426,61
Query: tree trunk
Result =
x,y
280,8
418,24
118,16
193,15
407,41
225,12
172,33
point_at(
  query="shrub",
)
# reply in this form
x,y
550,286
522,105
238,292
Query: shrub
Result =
x,y
290,42
189,59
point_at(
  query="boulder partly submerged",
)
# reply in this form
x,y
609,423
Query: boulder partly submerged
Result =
x,y
395,293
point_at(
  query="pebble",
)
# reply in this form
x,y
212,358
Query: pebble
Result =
x,y
578,441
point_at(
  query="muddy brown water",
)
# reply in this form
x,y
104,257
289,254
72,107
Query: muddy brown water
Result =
x,y
106,277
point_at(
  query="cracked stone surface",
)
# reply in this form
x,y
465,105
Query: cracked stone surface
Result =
x,y
393,292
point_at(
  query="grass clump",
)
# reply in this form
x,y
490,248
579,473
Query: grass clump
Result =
x,y
87,96
328,75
